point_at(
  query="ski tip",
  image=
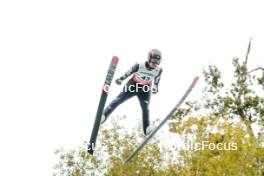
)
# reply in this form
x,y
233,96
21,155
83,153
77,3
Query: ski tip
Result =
x,y
115,60
195,79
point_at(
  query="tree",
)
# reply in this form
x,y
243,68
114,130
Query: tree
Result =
x,y
238,107
114,146
217,147
239,100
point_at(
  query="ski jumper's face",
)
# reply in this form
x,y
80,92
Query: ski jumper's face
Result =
x,y
154,61
152,65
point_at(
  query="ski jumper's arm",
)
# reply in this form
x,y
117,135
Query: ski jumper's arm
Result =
x,y
130,72
156,81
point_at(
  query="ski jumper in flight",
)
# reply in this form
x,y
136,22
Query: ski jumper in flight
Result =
x,y
144,81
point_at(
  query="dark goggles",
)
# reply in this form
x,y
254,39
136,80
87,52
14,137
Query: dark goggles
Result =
x,y
155,60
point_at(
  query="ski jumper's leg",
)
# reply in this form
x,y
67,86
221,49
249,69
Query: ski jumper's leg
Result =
x,y
144,100
122,97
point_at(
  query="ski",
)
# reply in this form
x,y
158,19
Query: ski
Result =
x,y
107,83
144,142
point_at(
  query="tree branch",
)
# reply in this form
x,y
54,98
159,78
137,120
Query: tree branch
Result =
x,y
248,51
258,68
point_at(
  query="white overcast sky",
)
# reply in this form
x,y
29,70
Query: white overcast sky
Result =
x,y
54,55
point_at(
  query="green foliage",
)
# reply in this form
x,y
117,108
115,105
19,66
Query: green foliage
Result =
x,y
114,146
238,152
246,159
242,99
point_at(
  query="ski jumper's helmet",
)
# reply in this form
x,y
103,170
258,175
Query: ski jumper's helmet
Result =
x,y
154,56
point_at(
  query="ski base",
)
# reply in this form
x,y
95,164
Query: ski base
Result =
x,y
97,122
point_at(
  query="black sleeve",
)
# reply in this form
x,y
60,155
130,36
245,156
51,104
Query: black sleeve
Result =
x,y
157,78
130,71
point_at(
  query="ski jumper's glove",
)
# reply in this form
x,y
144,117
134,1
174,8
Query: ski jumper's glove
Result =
x,y
118,81
155,89
127,74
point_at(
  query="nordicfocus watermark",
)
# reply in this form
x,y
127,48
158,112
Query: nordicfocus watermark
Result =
x,y
137,87
198,146
91,147
206,145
